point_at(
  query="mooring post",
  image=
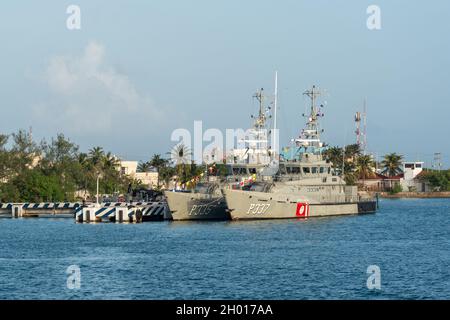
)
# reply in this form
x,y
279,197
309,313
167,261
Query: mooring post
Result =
x,y
17,210
89,213
121,214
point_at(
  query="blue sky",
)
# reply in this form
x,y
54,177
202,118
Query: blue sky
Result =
x,y
139,69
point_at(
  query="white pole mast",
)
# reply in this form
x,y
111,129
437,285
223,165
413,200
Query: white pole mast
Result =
x,y
275,105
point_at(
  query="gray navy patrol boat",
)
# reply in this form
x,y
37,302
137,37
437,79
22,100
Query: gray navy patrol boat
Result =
x,y
206,200
304,186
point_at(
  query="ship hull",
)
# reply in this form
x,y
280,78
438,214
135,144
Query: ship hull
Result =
x,y
244,205
196,206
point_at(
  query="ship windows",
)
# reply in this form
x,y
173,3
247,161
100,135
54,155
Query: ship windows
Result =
x,y
306,170
252,170
322,169
240,171
314,170
293,170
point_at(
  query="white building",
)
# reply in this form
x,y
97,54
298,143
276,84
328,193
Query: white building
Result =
x,y
129,168
411,175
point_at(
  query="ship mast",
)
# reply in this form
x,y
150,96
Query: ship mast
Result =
x,y
259,125
260,121
274,136
310,137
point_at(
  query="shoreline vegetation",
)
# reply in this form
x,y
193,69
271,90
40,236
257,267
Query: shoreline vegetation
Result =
x,y
56,170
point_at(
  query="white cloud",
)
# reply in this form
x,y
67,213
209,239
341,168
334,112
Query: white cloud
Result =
x,y
87,96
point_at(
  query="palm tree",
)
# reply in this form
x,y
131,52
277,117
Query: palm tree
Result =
x,y
365,167
110,162
391,164
181,158
167,173
144,166
96,155
158,163
334,155
85,169
352,151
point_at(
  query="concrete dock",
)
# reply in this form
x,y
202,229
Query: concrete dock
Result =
x,y
102,212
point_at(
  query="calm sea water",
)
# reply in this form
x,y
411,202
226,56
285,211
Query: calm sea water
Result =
x,y
325,258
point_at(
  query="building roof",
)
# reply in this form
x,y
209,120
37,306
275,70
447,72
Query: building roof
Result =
x,y
379,176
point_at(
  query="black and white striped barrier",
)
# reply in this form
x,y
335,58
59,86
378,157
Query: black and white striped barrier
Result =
x,y
17,210
122,212
108,211
157,211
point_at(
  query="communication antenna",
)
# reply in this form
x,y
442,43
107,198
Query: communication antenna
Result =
x,y
361,133
437,161
358,127
364,128
343,156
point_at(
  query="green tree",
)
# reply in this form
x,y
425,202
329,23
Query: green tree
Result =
x,y
96,155
438,180
181,157
158,163
144,166
352,151
391,164
24,152
5,168
54,170
35,186
166,174
365,167
335,156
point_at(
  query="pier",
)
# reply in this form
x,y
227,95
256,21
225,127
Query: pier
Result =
x,y
119,212
123,212
23,210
